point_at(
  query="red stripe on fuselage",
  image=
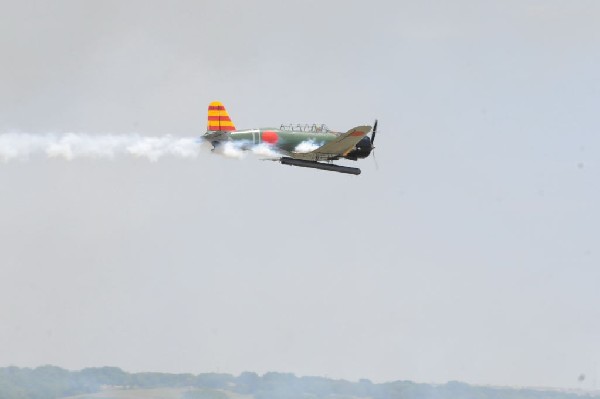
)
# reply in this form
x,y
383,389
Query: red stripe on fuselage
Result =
x,y
216,108
219,118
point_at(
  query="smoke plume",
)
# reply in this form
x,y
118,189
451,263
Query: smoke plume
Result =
x,y
69,146
239,150
307,146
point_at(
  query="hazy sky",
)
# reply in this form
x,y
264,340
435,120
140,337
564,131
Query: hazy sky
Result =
x,y
471,254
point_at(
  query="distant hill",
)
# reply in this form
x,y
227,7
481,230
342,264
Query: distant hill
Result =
x,y
50,382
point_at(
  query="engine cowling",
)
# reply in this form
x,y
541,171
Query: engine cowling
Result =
x,y
362,149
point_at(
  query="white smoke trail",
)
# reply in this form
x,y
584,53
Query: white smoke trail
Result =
x,y
307,146
21,146
239,149
69,146
154,148
231,149
265,150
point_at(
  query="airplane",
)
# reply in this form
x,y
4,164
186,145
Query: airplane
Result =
x,y
308,146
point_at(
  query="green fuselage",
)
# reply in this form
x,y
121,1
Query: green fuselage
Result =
x,y
286,140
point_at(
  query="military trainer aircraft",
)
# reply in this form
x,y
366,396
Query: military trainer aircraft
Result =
x,y
309,146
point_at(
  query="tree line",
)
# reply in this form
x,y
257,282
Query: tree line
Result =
x,y
50,382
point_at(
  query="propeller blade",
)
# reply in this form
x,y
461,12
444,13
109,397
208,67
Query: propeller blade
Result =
x,y
375,159
374,131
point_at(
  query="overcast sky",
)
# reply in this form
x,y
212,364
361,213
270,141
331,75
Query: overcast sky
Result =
x,y
472,253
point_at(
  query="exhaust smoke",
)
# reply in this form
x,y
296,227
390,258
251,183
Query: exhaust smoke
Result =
x,y
239,149
69,146
307,146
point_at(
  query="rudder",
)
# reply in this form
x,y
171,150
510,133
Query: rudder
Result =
x,y
218,118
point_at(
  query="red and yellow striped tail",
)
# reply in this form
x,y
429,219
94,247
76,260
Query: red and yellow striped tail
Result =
x,y
218,118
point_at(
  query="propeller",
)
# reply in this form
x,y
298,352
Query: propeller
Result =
x,y
374,131
372,146
375,160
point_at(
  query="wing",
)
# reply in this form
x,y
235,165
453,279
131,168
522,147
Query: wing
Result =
x,y
339,147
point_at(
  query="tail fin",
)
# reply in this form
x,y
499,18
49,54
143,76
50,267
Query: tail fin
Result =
x,y
218,118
